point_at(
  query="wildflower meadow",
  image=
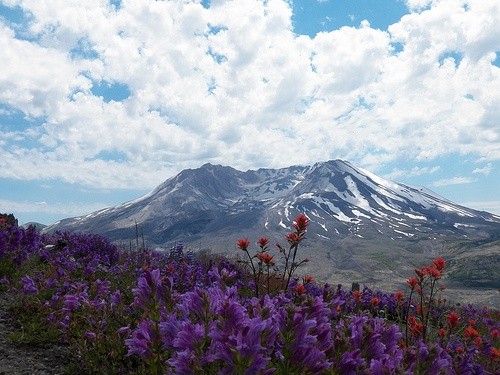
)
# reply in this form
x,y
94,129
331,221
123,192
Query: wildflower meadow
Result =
x,y
137,311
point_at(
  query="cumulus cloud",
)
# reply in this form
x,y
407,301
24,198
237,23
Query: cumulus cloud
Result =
x,y
233,84
486,170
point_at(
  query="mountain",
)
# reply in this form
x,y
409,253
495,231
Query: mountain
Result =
x,y
363,228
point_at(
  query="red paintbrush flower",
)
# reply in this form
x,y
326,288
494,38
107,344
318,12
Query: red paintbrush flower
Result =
x,y
439,263
263,242
308,279
357,295
293,239
266,258
412,282
243,244
453,319
300,289
300,223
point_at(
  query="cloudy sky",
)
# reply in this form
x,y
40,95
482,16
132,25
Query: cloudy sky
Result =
x,y
100,101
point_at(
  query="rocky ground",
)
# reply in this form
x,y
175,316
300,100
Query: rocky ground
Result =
x,y
24,359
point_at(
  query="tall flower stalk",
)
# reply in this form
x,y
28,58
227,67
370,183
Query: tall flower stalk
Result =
x,y
425,282
294,239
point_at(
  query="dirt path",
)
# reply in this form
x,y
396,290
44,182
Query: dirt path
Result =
x,y
22,359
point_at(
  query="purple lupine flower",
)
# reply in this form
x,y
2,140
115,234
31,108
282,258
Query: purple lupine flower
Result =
x,y
151,285
169,329
64,323
29,286
429,357
71,302
304,347
51,282
142,337
102,287
116,298
90,335
189,340
350,362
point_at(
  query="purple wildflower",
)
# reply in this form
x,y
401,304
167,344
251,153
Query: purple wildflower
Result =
x,y
29,286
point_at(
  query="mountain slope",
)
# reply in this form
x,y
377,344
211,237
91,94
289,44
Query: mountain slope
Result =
x,y
363,228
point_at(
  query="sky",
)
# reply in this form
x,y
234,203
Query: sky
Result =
x,y
101,101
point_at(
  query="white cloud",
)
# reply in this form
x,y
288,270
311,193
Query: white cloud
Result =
x,y
486,170
416,5
457,180
233,84
488,206
64,210
398,173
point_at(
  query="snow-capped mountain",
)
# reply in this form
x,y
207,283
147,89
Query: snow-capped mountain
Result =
x,y
339,198
355,215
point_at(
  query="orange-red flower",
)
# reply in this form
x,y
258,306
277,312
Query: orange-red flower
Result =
x,y
266,258
293,239
300,289
357,295
453,319
375,301
308,279
435,273
412,282
243,244
419,309
399,296
439,263
495,353
300,223
263,242
470,333
442,332
416,328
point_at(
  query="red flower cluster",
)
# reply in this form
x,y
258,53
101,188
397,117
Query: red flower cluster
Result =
x,y
399,296
307,279
416,327
263,243
357,295
453,319
293,239
439,264
265,258
243,244
470,333
434,271
300,223
412,282
300,289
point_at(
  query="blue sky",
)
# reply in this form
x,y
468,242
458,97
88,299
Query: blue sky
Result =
x,y
102,101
